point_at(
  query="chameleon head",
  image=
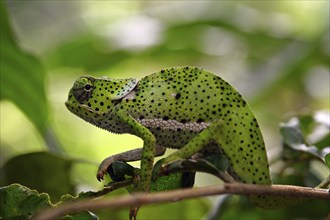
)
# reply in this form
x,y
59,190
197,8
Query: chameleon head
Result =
x,y
94,98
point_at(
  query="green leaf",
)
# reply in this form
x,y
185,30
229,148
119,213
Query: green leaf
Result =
x,y
291,133
316,128
20,202
83,53
294,141
305,138
42,171
164,183
327,160
121,171
81,216
22,77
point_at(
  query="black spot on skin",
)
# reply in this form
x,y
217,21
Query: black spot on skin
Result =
x,y
177,96
183,121
200,120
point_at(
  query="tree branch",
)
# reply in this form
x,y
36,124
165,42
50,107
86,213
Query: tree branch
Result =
x,y
175,195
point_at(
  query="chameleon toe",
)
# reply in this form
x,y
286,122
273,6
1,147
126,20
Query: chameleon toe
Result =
x,y
100,176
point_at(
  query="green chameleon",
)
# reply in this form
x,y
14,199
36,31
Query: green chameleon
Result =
x,y
185,108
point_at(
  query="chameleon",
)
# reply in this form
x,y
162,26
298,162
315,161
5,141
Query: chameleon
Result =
x,y
185,108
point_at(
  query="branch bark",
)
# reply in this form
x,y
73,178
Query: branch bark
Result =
x,y
175,195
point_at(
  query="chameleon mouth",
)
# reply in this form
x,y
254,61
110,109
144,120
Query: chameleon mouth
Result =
x,y
69,106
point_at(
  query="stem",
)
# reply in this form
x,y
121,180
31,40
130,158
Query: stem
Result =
x,y
325,183
175,195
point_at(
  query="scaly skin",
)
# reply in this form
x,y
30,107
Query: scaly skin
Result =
x,y
186,108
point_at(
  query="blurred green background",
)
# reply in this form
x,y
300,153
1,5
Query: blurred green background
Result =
x,y
276,53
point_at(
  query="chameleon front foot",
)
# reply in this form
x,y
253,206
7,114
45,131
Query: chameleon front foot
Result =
x,y
100,175
103,167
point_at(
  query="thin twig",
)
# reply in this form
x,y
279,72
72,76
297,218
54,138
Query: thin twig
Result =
x,y
175,195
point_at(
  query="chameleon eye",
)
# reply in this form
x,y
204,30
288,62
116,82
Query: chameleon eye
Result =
x,y
82,89
88,87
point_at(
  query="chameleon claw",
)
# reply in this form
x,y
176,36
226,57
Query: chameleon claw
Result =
x,y
103,167
100,175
